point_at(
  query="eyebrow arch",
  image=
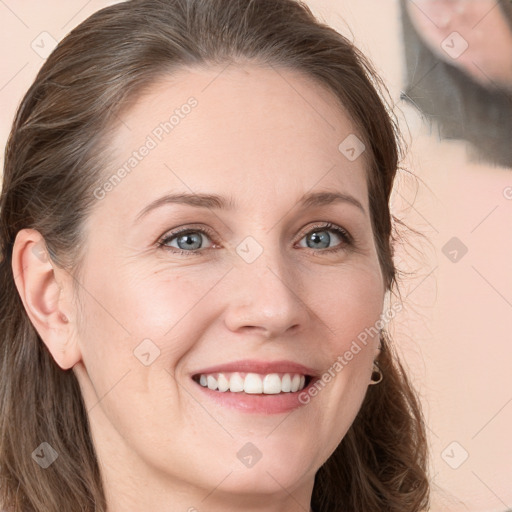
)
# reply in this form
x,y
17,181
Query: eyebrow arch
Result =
x,y
214,201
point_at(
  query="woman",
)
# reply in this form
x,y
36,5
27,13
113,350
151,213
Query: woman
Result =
x,y
196,249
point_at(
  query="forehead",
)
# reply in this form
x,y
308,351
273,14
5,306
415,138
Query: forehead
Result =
x,y
265,132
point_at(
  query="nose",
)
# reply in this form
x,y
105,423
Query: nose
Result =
x,y
266,297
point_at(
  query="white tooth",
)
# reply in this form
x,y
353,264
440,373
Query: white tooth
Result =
x,y
212,382
272,384
286,383
295,383
222,382
253,384
236,383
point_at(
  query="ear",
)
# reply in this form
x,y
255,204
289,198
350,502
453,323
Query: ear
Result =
x,y
45,290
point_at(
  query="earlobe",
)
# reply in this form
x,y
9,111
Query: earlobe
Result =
x,y
44,291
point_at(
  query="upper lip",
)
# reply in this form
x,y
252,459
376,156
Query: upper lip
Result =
x,y
261,367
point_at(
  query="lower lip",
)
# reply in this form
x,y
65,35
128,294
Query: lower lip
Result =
x,y
257,403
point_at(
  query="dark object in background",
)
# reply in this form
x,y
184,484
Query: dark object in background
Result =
x,y
459,106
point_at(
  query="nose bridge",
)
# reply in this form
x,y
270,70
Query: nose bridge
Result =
x,y
265,290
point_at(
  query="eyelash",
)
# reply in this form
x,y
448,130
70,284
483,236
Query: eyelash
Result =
x,y
327,226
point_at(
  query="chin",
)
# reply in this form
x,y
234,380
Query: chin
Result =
x,y
271,478
269,463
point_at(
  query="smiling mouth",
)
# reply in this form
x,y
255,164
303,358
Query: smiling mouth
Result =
x,y
253,383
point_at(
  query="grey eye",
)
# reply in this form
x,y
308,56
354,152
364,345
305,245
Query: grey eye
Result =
x,y
320,237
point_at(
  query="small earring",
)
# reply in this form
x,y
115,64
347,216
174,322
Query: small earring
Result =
x,y
376,374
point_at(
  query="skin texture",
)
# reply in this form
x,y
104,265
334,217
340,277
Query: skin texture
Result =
x,y
264,137
481,26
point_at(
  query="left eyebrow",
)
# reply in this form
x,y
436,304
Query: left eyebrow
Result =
x,y
325,198
214,201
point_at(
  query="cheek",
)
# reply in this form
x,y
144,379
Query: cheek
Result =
x,y
350,306
141,304
131,312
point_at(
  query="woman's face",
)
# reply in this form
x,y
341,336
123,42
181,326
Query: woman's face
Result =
x,y
258,286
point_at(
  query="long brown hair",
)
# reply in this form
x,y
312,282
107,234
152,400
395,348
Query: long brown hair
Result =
x,y
54,160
